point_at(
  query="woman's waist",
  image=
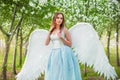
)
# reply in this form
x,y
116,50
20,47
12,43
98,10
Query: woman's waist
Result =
x,y
57,45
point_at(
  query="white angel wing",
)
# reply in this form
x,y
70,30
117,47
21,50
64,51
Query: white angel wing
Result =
x,y
88,49
36,58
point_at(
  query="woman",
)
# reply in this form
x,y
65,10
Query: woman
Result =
x,y
62,63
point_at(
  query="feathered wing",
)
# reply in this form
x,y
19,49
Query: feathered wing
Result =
x,y
89,50
37,56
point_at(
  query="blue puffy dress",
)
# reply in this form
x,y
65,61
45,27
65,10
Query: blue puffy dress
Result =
x,y
62,63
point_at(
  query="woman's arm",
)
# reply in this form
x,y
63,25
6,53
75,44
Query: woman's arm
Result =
x,y
47,41
66,41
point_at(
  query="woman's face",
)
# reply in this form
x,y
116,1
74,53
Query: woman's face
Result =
x,y
59,19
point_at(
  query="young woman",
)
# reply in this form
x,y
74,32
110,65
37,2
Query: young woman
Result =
x,y
62,63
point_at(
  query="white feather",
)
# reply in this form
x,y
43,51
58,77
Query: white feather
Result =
x,y
89,49
36,58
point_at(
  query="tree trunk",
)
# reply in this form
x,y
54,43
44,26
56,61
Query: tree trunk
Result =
x,y
108,43
117,47
4,65
85,70
21,44
15,52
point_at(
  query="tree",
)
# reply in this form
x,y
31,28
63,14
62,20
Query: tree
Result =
x,y
8,37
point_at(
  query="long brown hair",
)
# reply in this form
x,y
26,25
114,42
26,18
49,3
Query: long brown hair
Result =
x,y
54,21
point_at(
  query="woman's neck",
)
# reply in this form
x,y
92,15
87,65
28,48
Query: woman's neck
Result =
x,y
57,27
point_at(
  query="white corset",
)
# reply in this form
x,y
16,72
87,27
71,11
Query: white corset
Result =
x,y
56,42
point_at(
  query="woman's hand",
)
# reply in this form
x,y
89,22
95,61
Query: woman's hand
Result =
x,y
67,39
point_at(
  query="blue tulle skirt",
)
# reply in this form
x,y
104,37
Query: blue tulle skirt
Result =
x,y
62,65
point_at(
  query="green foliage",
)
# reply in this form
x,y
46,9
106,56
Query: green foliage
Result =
x,y
102,14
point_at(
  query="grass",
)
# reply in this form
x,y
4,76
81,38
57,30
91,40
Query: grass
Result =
x,y
91,75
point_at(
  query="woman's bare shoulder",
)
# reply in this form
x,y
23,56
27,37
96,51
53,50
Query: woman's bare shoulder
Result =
x,y
65,29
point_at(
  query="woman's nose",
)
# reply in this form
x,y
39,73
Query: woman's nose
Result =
x,y
59,18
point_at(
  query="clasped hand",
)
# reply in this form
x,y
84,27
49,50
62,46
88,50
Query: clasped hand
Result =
x,y
59,35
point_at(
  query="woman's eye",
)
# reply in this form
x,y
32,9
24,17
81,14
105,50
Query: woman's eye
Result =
x,y
59,18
